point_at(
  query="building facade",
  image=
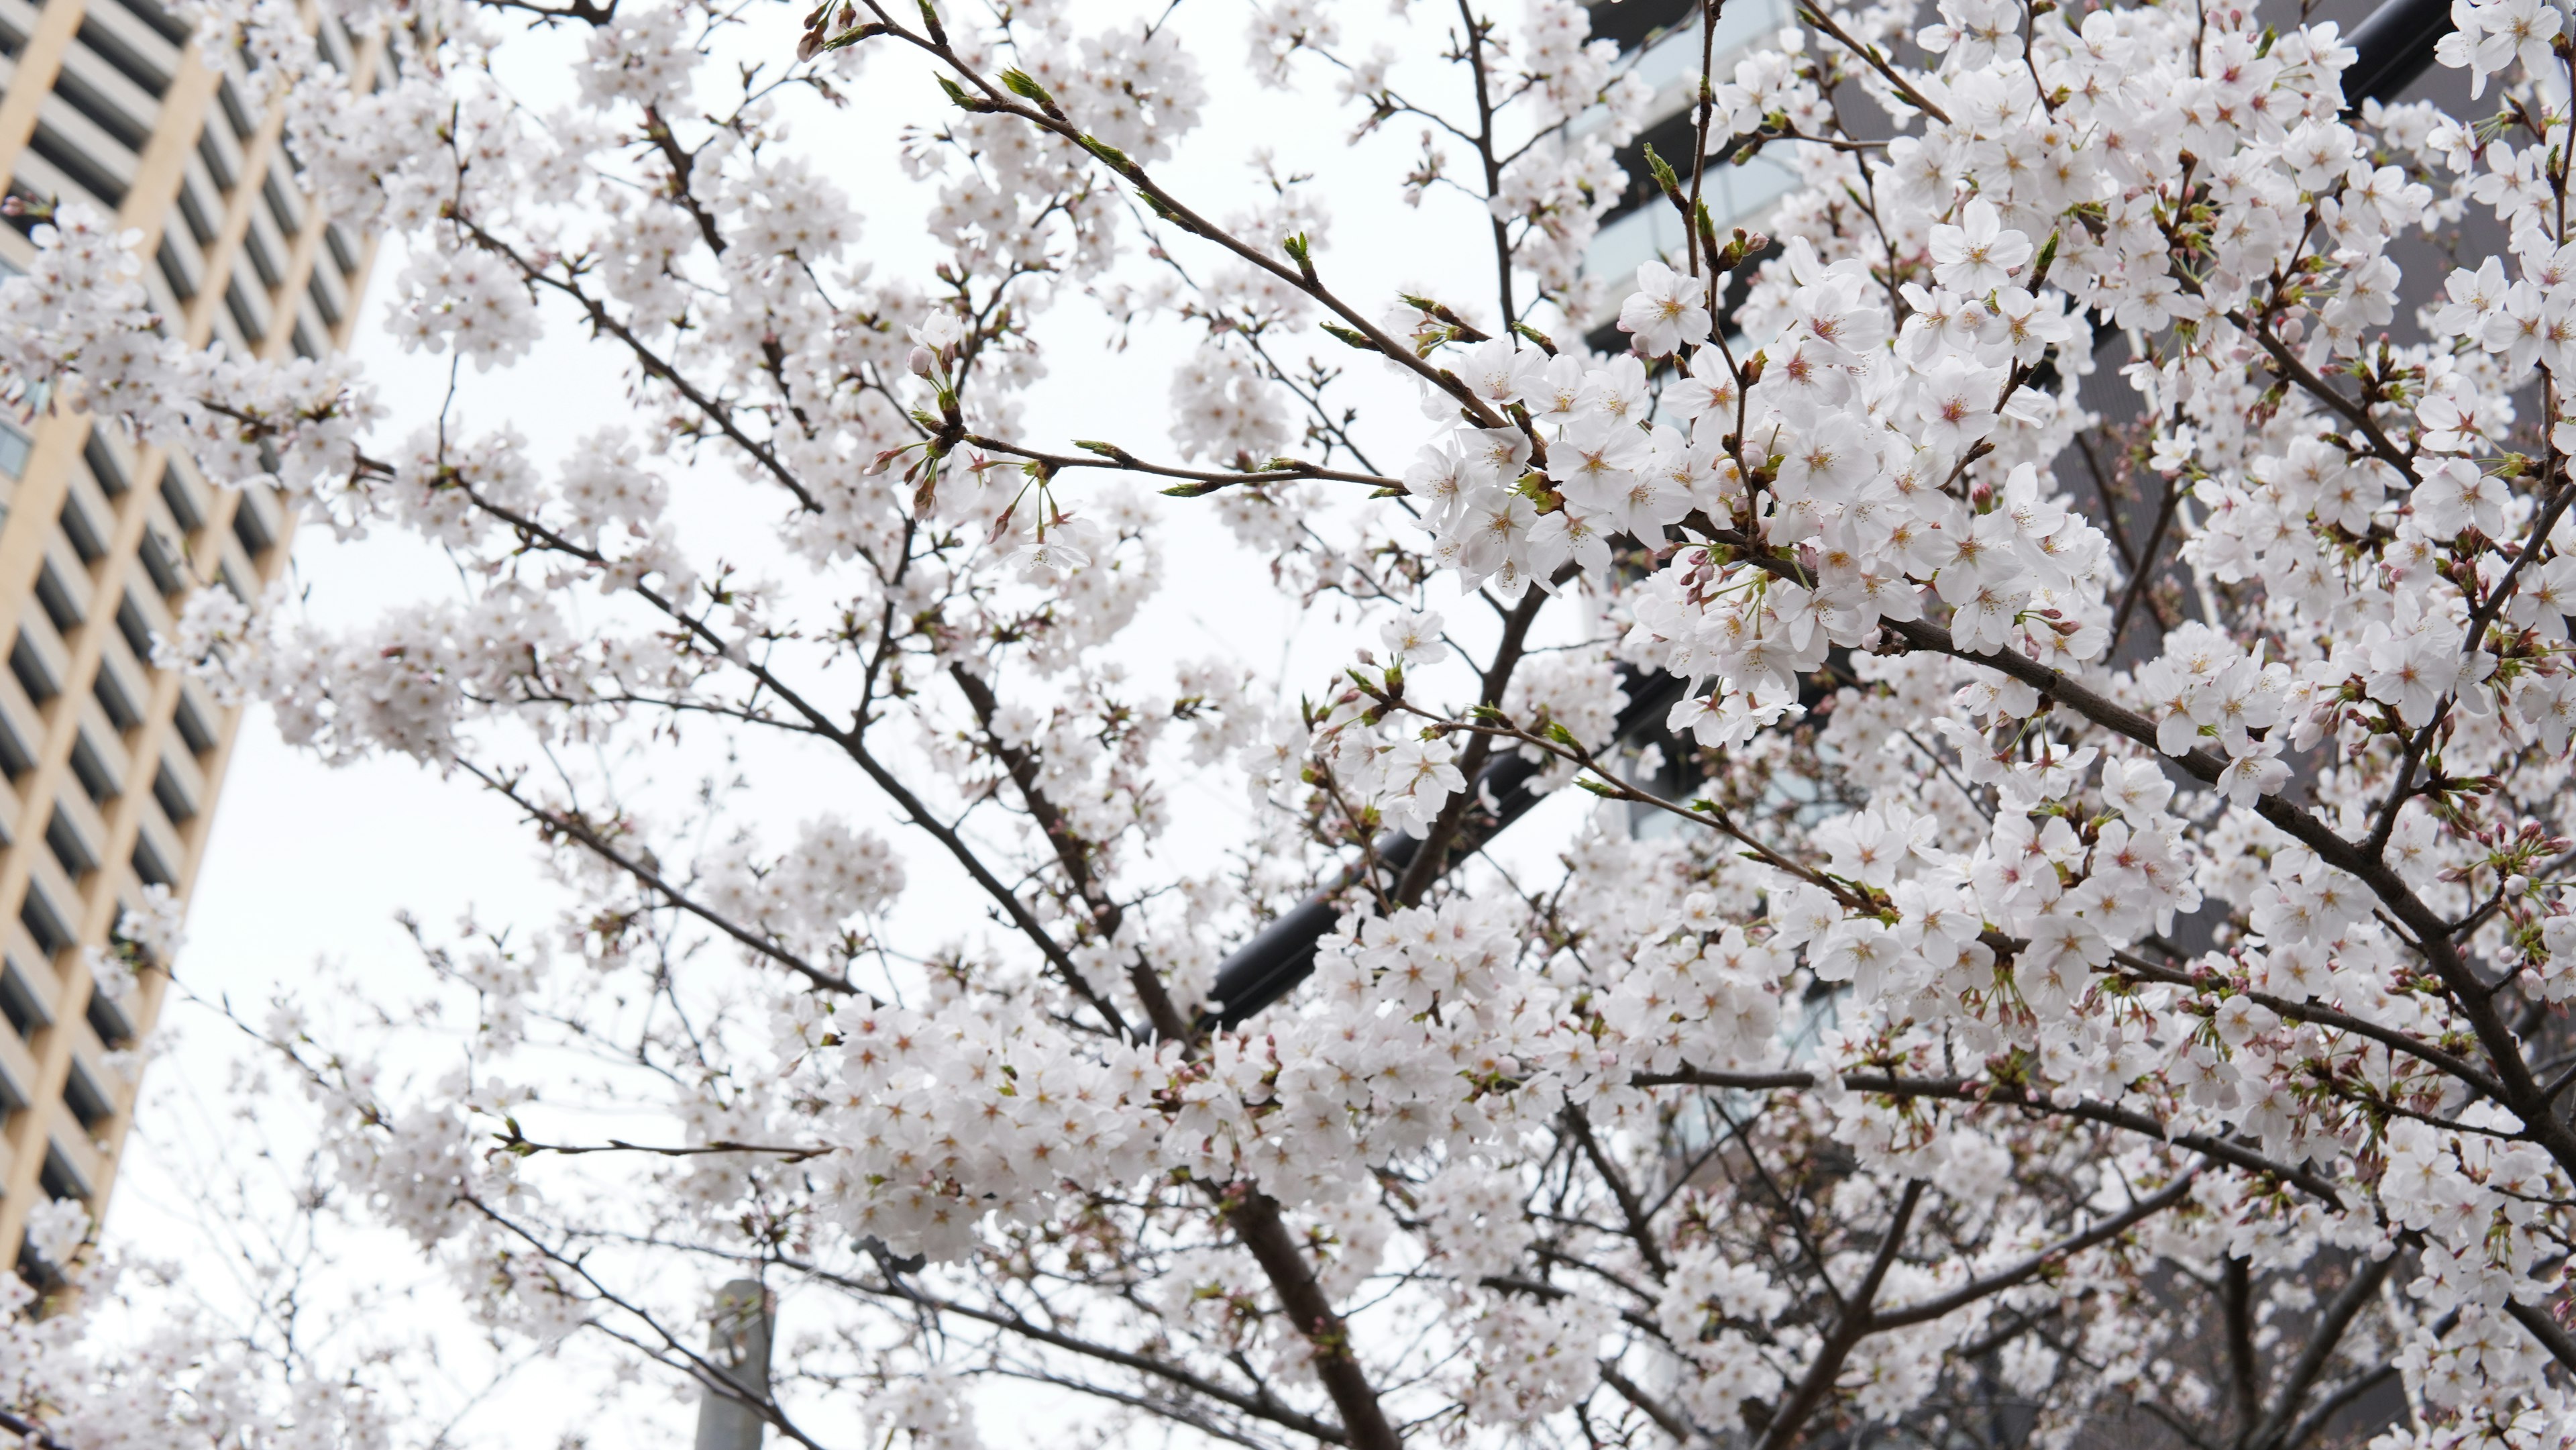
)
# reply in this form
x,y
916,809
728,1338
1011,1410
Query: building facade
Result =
x,y
1659,41
112,766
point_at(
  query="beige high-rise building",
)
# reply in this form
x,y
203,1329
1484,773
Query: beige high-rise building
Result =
x,y
111,765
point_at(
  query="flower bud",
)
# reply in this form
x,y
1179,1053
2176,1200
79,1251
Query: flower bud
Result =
x,y
923,362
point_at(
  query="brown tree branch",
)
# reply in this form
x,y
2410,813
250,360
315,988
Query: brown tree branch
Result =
x,y
1855,1324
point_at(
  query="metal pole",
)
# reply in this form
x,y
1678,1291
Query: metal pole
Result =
x,y
1263,969
2392,48
738,1347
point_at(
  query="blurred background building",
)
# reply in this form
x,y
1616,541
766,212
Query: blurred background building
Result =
x,y
1659,41
111,765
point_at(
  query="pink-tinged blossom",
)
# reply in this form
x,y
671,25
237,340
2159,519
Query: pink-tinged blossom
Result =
x,y
1979,254
1666,311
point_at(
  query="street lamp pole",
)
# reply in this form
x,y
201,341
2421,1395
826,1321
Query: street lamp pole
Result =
x,y
729,1416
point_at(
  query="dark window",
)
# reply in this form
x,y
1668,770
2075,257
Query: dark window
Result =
x,y
174,271
68,848
19,1003
216,166
76,166
239,306
182,501
32,675
44,1278
193,212
323,306
91,771
1631,21
236,114
172,28
14,759
81,1094
52,937
174,801
113,699
302,341
108,1020
102,112
149,867
11,42
192,727
280,210
58,1180
157,563
29,216
70,851
262,261
56,597
138,635
248,527
80,532
344,253
103,465
107,46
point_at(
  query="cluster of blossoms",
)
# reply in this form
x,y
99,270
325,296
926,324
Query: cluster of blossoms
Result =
x,y
2105,873
172,1376
80,329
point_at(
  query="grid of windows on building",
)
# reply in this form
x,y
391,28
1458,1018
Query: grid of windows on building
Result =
x,y
111,764
1659,41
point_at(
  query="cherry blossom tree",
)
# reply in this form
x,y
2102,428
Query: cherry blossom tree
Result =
x,y
2101,970
268,1342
